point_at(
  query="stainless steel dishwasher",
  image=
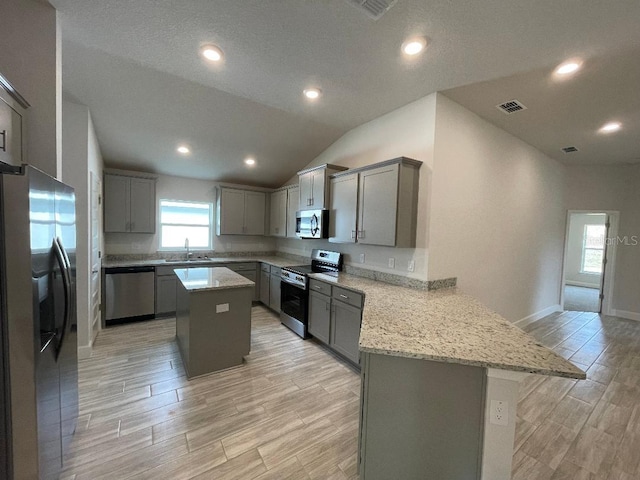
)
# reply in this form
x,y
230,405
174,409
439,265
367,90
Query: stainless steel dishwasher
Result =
x,y
130,294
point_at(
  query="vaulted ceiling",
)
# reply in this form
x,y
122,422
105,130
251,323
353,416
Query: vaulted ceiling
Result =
x,y
136,66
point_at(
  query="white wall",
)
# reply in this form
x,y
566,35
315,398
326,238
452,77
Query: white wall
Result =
x,y
408,132
575,242
180,188
614,188
30,60
497,217
81,156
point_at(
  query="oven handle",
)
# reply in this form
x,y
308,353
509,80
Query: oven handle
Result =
x,y
291,283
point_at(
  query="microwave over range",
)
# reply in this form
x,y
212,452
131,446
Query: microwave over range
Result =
x,y
312,224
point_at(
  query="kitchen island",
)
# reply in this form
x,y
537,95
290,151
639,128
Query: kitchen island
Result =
x,y
440,380
213,318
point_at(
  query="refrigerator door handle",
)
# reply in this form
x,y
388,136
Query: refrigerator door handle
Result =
x,y
46,339
63,262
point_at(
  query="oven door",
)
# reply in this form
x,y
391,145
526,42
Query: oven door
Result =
x,y
294,301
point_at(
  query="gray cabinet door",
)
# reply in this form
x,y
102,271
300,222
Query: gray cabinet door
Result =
x,y
116,203
317,188
166,294
264,287
143,205
319,316
378,206
345,330
231,212
278,217
293,201
254,212
274,293
306,191
10,134
344,207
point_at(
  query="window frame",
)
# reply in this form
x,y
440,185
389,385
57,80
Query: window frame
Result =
x,y
210,205
585,248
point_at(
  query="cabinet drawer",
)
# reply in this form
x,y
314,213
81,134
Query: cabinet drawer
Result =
x,y
240,267
265,267
348,296
320,287
276,270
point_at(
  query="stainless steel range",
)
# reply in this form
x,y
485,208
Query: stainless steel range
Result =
x,y
294,287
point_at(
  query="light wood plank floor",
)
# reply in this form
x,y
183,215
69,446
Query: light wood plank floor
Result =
x,y
291,412
582,430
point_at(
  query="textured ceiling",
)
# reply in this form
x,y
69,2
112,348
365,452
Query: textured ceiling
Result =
x,y
275,48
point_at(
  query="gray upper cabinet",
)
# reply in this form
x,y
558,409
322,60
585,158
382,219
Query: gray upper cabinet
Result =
x,y
293,200
313,184
129,204
278,217
240,212
385,208
11,126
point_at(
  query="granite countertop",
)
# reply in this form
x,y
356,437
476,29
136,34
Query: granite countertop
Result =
x,y
446,326
271,260
211,278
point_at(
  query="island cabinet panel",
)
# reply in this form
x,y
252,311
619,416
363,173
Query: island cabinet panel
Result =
x,y
420,419
129,204
320,316
240,212
293,199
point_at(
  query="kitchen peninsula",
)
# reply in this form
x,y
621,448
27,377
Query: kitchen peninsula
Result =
x,y
440,380
213,318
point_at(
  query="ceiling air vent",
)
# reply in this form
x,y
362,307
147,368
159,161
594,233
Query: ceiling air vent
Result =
x,y
569,149
374,8
512,106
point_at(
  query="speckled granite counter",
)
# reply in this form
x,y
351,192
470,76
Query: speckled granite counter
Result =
x,y
271,260
446,326
211,278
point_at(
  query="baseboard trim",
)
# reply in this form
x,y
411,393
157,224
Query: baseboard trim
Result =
x,y
625,314
582,284
538,315
85,351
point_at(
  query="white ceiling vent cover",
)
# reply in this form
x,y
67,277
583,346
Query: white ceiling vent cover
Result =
x,y
512,106
374,8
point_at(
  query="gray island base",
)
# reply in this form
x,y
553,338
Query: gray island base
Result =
x,y
213,319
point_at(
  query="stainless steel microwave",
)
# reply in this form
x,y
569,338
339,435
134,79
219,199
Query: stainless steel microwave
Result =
x,y
312,224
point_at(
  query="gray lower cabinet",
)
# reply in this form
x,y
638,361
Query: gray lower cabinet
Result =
x,y
166,294
345,329
335,322
274,291
265,283
247,270
320,316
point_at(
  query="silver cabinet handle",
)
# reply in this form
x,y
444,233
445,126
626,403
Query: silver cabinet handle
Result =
x,y
353,234
344,296
318,287
4,140
94,271
327,305
361,234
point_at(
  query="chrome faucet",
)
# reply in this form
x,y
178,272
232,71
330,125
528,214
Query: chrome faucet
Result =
x,y
186,245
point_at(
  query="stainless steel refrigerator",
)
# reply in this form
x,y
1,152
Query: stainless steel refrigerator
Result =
x,y
38,348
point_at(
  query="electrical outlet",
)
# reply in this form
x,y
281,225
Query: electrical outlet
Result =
x,y
392,263
222,308
499,414
362,258
412,265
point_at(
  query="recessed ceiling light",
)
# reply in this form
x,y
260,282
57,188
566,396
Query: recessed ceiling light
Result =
x,y
312,93
414,46
568,67
610,127
250,161
183,149
211,52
